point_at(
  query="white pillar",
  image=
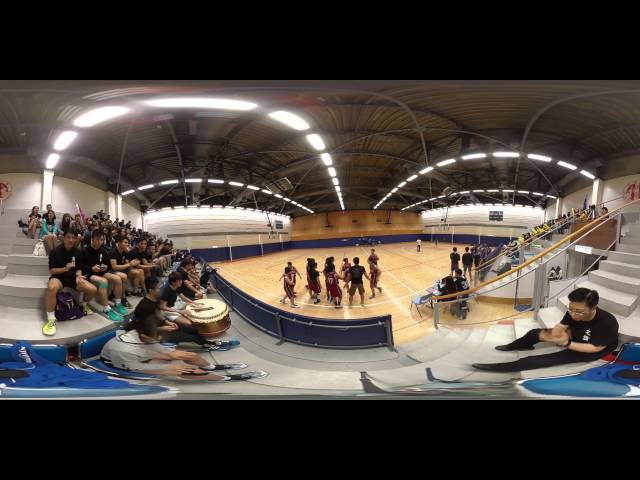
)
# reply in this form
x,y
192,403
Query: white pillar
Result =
x,y
47,189
596,194
118,207
558,207
111,205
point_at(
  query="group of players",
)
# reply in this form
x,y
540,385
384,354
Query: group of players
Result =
x,y
351,275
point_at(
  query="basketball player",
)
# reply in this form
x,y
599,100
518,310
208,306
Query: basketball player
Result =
x,y
294,272
374,272
288,288
333,285
313,279
373,258
329,261
345,272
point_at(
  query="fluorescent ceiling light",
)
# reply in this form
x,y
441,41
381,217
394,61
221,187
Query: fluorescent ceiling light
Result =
x,y
252,187
146,187
446,162
537,194
507,191
394,190
441,196
493,190
412,178
316,141
131,191
268,192
478,191
326,158
567,165
523,191
52,160
425,170
335,181
587,174
542,158
193,180
289,119
506,154
169,182
432,199
197,102
332,171
474,156
402,184
337,188
286,199
277,195
64,140
236,184
550,196
463,193
215,180
99,115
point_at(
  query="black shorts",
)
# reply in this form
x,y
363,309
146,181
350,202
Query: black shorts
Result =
x,y
66,281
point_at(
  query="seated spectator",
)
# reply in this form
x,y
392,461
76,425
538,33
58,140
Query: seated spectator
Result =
x,y
65,224
65,266
190,288
172,302
91,226
95,266
121,266
49,231
33,223
140,350
604,212
169,331
139,253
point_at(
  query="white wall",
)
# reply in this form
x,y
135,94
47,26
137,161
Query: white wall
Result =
x,y
474,220
66,193
207,227
131,214
615,188
26,190
576,199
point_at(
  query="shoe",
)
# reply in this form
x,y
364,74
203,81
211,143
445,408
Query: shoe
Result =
x,y
247,376
49,327
137,293
112,315
282,302
87,309
125,303
225,343
507,348
295,306
226,366
120,310
372,297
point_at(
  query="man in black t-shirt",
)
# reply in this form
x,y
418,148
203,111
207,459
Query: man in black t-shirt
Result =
x,y
171,308
586,333
140,253
120,266
467,263
65,266
95,266
356,272
455,259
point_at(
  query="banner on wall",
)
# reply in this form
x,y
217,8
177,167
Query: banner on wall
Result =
x,y
5,192
631,190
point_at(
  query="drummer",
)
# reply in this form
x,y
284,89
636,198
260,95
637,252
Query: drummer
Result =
x,y
173,303
170,331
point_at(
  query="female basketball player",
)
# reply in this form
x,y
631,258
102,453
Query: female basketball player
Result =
x,y
345,272
373,258
329,261
294,271
374,272
288,288
313,279
334,286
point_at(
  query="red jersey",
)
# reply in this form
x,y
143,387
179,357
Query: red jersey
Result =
x,y
332,285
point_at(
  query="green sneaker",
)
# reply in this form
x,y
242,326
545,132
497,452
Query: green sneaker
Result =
x,y
113,316
49,327
119,308
87,309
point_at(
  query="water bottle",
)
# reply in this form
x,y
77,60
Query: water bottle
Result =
x,y
73,260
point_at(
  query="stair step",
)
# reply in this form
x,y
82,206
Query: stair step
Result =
x,y
630,240
627,247
616,281
22,291
621,268
3,271
613,301
22,249
624,257
550,317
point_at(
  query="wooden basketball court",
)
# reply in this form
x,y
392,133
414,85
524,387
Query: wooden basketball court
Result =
x,y
405,273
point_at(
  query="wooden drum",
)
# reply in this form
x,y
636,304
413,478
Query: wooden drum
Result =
x,y
211,318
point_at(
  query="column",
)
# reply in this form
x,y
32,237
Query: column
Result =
x,y
598,188
119,206
111,205
558,207
47,189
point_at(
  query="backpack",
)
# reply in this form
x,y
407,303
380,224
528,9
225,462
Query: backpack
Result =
x,y
39,249
67,308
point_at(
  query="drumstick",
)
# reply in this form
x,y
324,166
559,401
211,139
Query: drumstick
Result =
x,y
202,309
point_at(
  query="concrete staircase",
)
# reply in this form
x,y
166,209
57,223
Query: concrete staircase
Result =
x,y
617,281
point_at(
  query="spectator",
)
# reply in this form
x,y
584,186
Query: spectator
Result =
x,y
455,259
49,231
34,222
467,261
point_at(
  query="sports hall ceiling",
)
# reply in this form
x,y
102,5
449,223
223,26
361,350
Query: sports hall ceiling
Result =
x,y
378,134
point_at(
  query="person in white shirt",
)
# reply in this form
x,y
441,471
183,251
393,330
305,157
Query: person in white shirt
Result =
x,y
418,242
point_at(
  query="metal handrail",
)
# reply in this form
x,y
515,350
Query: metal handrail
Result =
x,y
586,229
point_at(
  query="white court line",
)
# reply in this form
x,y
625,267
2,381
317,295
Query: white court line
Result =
x,y
397,279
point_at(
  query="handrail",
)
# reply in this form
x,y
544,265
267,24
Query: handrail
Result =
x,y
530,240
535,258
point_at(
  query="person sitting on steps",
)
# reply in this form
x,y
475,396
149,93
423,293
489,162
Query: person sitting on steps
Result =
x,y
120,266
65,265
49,231
586,333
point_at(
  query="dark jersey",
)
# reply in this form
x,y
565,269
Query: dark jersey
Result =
x,y
467,258
602,330
356,273
91,257
455,257
59,257
169,295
